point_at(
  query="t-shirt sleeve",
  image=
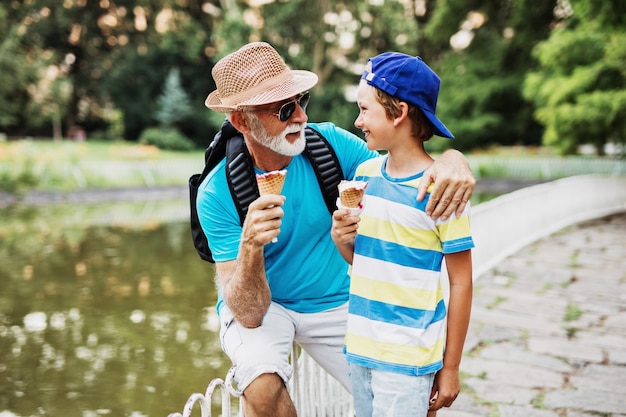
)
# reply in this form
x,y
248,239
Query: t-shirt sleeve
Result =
x,y
455,233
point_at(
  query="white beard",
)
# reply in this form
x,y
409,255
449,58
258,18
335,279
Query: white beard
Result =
x,y
278,143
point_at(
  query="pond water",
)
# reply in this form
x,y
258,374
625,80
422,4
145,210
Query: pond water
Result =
x,y
105,310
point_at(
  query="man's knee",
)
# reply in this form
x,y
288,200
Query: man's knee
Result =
x,y
268,396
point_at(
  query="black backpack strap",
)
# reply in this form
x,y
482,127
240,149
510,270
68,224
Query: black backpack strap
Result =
x,y
212,156
240,175
326,166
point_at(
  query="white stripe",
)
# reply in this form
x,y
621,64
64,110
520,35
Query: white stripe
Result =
x,y
392,333
387,272
401,214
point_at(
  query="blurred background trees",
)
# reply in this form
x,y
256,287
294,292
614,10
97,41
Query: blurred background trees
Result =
x,y
513,72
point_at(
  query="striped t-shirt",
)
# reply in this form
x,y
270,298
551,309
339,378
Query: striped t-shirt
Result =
x,y
397,314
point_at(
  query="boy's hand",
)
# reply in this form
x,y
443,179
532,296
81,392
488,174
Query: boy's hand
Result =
x,y
344,227
446,388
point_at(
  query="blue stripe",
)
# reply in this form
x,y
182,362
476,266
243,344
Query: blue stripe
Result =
x,y
458,245
393,314
393,367
395,192
398,254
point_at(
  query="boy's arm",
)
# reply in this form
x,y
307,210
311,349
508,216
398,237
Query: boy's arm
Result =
x,y
343,231
447,382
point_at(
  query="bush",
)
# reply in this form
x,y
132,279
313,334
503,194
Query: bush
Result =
x,y
17,181
166,138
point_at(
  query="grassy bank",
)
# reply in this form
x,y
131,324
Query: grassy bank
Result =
x,y
68,166
63,166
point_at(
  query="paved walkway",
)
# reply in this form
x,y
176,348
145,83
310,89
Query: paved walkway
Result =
x,y
548,330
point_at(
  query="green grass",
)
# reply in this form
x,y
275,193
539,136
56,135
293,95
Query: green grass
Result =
x,y
65,165
48,165
43,151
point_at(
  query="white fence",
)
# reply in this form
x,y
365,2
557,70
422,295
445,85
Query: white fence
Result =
x,y
500,227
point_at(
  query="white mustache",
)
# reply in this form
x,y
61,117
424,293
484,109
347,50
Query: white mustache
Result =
x,y
295,128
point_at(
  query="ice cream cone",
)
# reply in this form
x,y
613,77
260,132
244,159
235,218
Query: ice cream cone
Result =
x,y
271,182
351,193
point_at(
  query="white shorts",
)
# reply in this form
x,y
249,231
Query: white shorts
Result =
x,y
266,349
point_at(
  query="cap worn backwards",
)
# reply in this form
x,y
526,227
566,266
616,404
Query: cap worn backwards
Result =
x,y
409,79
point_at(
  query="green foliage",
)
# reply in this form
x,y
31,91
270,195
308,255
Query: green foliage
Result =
x,y
480,98
166,138
580,88
110,70
174,104
16,181
18,71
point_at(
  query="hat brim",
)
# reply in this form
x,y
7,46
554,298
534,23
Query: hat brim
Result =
x,y
440,128
299,81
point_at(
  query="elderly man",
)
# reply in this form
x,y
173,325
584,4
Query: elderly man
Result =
x,y
274,291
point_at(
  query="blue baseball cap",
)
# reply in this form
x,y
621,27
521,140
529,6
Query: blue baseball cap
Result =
x,y
409,79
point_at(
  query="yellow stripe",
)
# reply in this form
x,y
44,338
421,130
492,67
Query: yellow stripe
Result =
x,y
394,294
456,228
394,353
402,235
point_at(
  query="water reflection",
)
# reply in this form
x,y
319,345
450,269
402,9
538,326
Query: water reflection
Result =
x,y
104,310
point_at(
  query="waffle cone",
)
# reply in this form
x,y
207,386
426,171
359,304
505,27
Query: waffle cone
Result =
x,y
351,193
271,182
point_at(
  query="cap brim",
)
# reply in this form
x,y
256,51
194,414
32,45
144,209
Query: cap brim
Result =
x,y
440,128
300,81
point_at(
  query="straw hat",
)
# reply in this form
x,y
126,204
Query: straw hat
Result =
x,y
255,75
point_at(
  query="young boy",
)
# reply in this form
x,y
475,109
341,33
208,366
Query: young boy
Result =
x,y
403,348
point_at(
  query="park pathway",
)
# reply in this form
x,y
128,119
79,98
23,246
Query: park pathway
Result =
x,y
548,331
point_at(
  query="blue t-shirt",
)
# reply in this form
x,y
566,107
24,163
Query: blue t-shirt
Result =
x,y
304,270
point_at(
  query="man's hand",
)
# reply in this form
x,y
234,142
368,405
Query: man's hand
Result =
x,y
263,220
454,184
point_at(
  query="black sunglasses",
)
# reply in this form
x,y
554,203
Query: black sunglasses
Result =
x,y
287,109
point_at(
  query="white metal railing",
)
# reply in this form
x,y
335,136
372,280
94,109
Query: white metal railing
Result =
x,y
314,392
500,227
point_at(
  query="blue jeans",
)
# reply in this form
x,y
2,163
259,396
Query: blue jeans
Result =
x,y
386,394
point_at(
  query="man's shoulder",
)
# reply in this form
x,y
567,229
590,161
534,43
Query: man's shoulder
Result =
x,y
216,178
330,130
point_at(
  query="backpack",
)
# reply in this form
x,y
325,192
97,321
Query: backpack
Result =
x,y
241,178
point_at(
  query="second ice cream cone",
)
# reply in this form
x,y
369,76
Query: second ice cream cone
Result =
x,y
351,195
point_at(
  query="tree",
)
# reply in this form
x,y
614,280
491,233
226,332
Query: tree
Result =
x,y
483,70
87,41
18,70
580,87
174,104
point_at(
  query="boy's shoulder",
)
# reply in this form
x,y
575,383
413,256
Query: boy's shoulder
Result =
x,y
371,167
